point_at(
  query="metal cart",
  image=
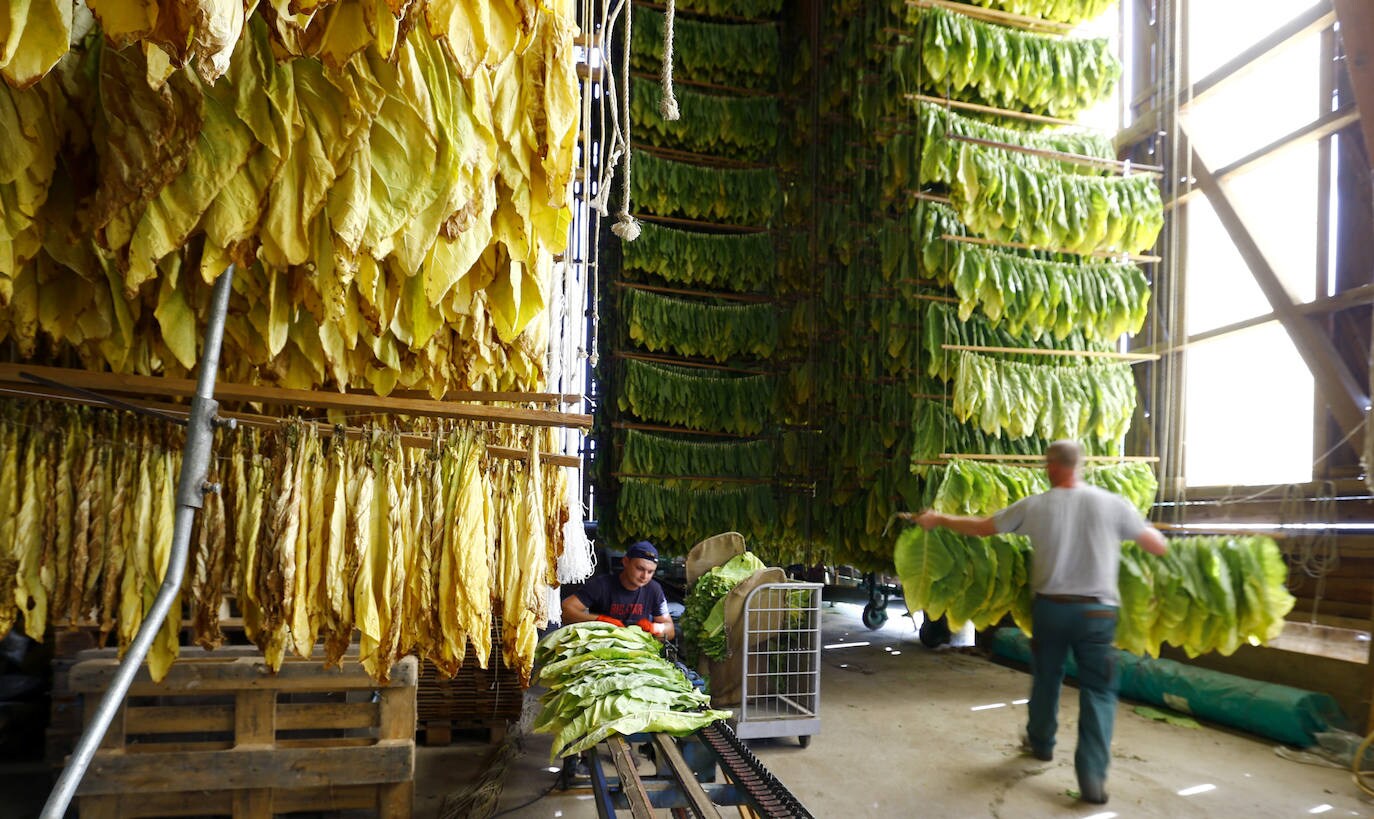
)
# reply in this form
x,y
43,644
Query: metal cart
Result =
x,y
781,641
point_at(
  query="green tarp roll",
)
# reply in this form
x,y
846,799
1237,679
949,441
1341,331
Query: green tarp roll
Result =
x,y
1280,712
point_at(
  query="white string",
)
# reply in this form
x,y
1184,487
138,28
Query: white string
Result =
x,y
668,105
578,561
619,139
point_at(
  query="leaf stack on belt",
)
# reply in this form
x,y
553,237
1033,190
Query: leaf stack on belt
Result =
x,y
317,539
604,680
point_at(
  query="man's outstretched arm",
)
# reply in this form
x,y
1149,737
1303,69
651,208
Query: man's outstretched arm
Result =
x,y
976,527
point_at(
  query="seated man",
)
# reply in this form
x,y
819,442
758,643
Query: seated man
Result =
x,y
631,598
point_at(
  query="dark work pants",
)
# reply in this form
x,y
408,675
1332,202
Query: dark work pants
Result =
x,y
1088,630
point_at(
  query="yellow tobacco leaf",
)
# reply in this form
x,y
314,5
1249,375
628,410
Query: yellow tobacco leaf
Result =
x,y
34,35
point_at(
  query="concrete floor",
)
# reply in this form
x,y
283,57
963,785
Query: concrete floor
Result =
x,y
907,731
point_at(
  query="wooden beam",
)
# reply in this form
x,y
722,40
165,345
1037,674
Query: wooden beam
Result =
x,y
1313,19
1357,33
280,396
1345,395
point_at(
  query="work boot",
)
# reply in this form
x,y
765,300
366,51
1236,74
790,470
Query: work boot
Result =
x,y
1028,748
1094,793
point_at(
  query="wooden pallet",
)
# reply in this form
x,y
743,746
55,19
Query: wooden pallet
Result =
x,y
223,735
475,699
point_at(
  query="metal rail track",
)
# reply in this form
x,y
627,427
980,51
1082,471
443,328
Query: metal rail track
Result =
x,y
765,792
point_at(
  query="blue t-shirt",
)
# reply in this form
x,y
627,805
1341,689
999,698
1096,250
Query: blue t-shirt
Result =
x,y
604,594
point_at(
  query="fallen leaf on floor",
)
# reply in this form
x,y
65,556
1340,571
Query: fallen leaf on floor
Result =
x,y
1171,717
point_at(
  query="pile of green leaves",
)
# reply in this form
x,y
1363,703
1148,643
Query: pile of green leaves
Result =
x,y
718,402
936,431
980,488
744,128
648,453
1004,200
741,262
751,9
1049,400
944,323
1035,297
938,128
1009,68
1207,594
1062,11
675,515
745,56
743,196
691,327
604,680
703,616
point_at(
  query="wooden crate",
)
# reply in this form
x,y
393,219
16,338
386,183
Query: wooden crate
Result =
x,y
475,699
222,735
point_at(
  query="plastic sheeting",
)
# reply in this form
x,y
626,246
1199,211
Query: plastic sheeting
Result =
x,y
1280,712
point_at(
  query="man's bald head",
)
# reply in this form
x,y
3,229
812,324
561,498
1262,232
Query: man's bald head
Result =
x,y
1062,461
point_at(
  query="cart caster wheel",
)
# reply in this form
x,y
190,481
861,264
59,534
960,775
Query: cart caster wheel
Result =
x,y
935,633
804,741
874,617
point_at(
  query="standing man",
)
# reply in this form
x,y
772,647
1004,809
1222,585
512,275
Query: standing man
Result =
x,y
1075,532
631,598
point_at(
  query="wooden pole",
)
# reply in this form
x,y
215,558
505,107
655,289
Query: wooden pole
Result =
x,y
251,393
988,109
683,362
989,15
1125,168
971,456
748,298
1069,353
1096,254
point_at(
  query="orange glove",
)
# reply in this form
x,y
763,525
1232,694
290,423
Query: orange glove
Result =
x,y
608,619
650,626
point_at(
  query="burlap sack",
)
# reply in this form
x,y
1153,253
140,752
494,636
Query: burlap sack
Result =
x,y
712,552
725,676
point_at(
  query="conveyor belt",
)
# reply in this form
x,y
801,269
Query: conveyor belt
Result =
x,y
769,796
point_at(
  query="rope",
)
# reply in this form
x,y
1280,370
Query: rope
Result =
x,y
668,105
626,227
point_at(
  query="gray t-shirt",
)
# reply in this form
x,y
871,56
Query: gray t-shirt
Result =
x,y
1076,536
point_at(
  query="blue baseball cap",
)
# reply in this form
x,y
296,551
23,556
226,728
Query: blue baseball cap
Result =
x,y
643,550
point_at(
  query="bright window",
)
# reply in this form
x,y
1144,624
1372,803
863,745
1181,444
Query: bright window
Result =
x,y
1248,409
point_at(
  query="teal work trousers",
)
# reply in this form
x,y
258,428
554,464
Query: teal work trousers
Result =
x,y
1086,629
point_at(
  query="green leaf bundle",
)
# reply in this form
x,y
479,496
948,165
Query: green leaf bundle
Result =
x,y
740,262
1012,69
940,128
1006,201
980,488
604,680
1035,297
683,396
689,327
675,515
647,453
751,9
744,196
703,620
1207,594
1049,400
741,55
936,430
944,324
744,128
1061,11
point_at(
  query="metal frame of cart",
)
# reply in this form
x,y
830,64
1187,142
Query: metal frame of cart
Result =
x,y
781,675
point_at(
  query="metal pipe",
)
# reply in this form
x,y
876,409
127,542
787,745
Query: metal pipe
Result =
x,y
190,497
